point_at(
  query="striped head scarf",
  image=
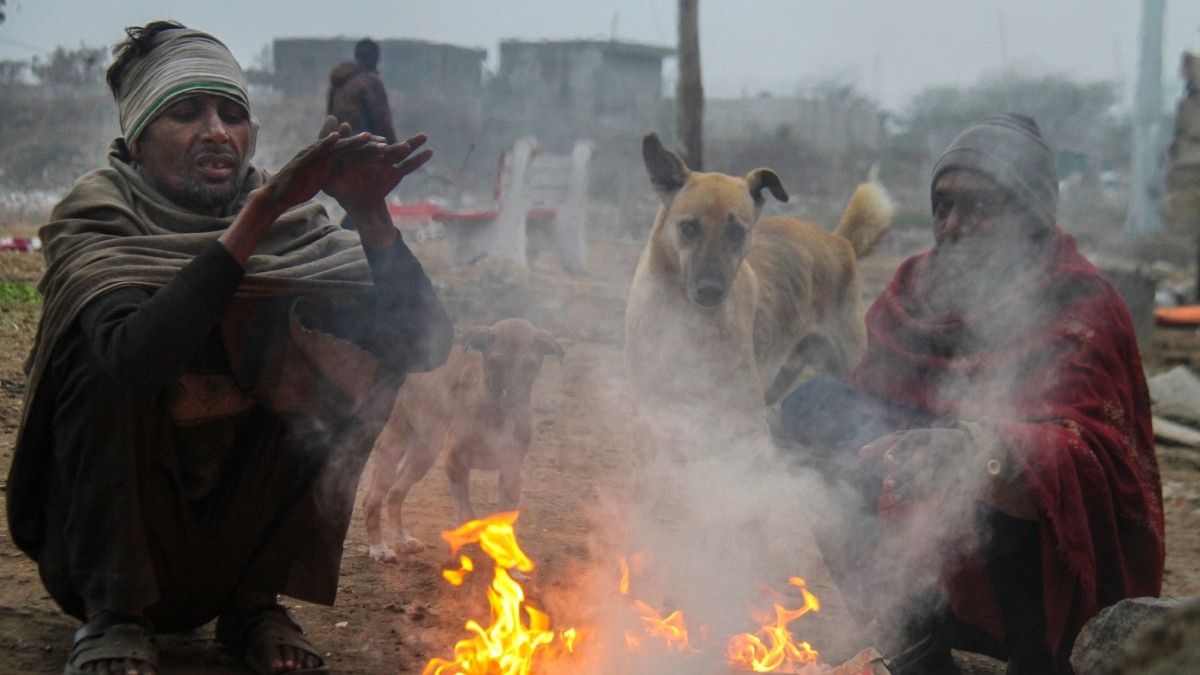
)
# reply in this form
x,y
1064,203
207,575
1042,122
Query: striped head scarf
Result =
x,y
181,62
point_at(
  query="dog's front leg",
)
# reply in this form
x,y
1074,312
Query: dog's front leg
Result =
x,y
510,489
419,457
460,489
510,500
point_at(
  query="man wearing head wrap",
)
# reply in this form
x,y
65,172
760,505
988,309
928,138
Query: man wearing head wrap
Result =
x,y
213,363
996,435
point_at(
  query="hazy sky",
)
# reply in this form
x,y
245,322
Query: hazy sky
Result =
x,y
890,49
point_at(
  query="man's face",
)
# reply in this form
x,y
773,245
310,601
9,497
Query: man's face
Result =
x,y
193,152
975,220
969,205
982,233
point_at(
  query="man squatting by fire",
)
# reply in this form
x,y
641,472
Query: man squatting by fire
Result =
x,y
213,363
1001,414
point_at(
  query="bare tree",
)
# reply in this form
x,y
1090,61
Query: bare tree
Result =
x,y
690,91
73,68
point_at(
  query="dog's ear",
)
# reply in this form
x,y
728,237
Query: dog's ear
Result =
x,y
667,171
758,179
477,337
546,344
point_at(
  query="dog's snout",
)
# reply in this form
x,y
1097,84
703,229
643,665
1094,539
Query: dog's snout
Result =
x,y
709,292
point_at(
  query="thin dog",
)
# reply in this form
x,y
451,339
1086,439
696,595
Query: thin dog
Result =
x,y
726,308
475,409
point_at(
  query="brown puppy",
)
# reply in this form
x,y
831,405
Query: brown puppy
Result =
x,y
475,409
726,309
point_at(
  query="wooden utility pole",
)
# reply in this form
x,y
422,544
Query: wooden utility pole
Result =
x,y
1146,181
689,95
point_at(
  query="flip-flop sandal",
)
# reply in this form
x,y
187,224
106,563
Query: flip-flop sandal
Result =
x,y
112,637
246,633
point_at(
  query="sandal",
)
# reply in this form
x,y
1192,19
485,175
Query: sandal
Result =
x,y
247,633
928,656
113,637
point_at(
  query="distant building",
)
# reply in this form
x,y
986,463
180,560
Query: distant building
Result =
x,y
562,90
409,68
825,123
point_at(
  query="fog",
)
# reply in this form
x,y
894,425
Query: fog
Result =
x,y
888,50
736,516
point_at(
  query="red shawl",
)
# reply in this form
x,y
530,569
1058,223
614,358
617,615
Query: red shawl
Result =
x,y
1062,383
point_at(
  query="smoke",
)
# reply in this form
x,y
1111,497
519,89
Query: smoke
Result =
x,y
719,514
714,513
715,537
895,569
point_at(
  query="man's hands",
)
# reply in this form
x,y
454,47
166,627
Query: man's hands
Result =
x,y
309,171
921,462
357,170
364,178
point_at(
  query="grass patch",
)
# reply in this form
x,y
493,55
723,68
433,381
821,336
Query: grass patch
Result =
x,y
17,293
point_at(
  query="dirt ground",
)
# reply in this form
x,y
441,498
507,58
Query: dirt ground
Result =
x,y
395,618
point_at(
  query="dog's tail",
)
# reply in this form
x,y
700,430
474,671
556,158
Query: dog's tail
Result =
x,y
868,215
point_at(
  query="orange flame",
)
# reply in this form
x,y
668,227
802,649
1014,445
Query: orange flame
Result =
x,y
456,577
671,630
508,646
773,647
628,568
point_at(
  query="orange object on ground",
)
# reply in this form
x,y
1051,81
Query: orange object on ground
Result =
x,y
1184,315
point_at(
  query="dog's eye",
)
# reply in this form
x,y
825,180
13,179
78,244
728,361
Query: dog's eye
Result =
x,y
690,229
735,234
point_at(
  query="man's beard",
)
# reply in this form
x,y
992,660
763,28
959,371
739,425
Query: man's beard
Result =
x,y
968,273
196,195
203,196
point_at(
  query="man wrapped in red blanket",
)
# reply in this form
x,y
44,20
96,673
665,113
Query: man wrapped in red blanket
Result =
x,y
997,431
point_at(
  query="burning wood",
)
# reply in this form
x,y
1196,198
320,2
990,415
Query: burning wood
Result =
x,y
520,637
671,630
510,645
773,649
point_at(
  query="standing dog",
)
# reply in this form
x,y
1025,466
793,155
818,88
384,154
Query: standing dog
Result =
x,y
476,410
727,308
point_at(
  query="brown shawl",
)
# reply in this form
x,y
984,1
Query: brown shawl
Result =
x,y
113,230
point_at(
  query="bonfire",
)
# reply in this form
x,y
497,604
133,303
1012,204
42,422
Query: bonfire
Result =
x,y
519,637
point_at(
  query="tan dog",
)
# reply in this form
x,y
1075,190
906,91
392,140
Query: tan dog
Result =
x,y
726,309
476,410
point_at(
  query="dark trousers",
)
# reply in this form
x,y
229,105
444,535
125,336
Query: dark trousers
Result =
x,y
832,422
121,534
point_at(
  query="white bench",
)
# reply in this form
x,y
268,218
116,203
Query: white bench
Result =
x,y
532,190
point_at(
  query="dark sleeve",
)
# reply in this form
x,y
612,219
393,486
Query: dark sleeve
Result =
x,y
378,110
142,340
411,322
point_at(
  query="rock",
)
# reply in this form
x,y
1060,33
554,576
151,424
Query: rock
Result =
x,y
1176,394
1103,638
1164,646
